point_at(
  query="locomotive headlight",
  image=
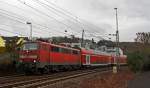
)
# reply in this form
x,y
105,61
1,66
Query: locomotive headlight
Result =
x,y
20,61
34,61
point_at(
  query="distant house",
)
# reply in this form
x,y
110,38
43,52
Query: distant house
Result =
x,y
2,42
10,42
10,39
2,45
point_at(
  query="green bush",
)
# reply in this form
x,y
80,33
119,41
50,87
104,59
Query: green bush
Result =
x,y
139,61
135,61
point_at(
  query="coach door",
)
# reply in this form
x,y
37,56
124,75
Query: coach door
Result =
x,y
87,59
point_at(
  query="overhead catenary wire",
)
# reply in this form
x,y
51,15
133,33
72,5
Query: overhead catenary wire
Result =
x,y
68,13
30,19
11,18
74,19
71,15
19,28
45,14
55,11
22,9
25,24
56,19
19,22
15,16
12,32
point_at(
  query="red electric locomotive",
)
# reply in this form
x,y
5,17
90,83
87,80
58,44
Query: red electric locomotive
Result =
x,y
42,57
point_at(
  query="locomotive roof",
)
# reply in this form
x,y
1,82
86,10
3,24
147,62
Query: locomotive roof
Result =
x,y
60,46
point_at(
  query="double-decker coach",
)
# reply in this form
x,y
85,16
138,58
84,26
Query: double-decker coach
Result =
x,y
95,58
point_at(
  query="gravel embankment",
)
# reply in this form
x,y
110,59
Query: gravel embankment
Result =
x,y
106,80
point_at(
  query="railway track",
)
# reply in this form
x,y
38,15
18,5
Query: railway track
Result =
x,y
6,77
24,79
49,79
48,83
15,79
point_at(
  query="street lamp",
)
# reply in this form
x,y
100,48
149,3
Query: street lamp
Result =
x,y
29,23
117,39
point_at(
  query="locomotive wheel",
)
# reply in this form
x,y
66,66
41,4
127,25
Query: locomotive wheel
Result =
x,y
54,69
65,68
39,71
28,72
46,70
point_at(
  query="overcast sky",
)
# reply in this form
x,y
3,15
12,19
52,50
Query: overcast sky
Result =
x,y
97,17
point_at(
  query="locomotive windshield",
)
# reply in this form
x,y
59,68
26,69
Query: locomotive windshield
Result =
x,y
30,46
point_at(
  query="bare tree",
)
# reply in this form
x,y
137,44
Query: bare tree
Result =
x,y
143,37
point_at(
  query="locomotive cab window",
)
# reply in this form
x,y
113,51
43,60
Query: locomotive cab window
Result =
x,y
30,46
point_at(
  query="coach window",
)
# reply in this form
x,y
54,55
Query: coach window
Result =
x,y
55,49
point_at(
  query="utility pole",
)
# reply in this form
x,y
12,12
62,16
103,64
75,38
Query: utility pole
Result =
x,y
82,38
117,40
82,32
29,23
